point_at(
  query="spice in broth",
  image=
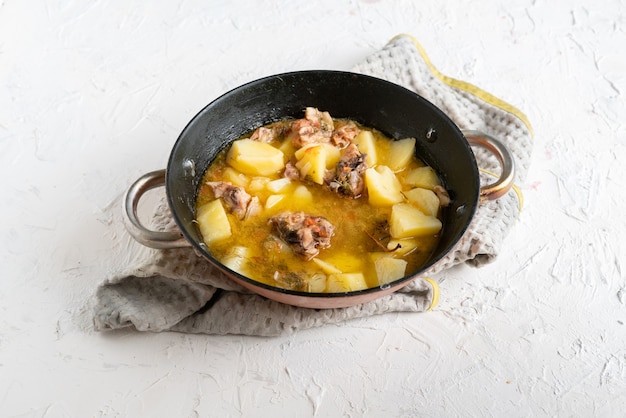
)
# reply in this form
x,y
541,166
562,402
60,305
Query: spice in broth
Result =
x,y
320,205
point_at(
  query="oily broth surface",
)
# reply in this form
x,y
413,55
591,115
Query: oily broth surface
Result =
x,y
355,222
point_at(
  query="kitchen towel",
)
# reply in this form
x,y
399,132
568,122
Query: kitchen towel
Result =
x,y
177,290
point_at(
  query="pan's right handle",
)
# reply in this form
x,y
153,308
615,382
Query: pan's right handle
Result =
x,y
507,163
143,235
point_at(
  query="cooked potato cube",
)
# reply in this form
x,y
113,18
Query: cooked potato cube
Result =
x,y
400,154
373,256
278,185
257,184
424,177
366,144
301,152
287,147
326,267
302,195
312,162
346,262
389,269
401,247
383,187
235,177
333,154
423,199
213,221
345,282
236,259
273,201
255,158
408,221
317,283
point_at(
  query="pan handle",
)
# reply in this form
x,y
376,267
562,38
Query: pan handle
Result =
x,y
153,239
505,182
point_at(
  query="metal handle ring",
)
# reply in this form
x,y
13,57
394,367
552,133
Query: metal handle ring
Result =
x,y
143,235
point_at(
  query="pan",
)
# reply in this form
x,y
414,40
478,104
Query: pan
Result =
x,y
373,102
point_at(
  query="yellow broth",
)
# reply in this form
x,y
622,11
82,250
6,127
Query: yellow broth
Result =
x,y
361,230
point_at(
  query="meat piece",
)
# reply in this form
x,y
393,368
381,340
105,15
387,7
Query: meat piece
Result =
x,y
322,119
263,134
235,198
305,234
291,280
442,194
291,171
347,179
316,127
254,207
344,134
269,133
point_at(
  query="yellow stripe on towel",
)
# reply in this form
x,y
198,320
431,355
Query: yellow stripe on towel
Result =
x,y
470,88
435,287
516,190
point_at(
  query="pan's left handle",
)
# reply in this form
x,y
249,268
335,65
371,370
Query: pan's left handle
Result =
x,y
143,235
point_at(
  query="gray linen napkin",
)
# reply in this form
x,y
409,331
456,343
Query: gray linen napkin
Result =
x,y
176,290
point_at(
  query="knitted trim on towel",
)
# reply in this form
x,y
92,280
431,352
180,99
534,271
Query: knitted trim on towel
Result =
x,y
464,85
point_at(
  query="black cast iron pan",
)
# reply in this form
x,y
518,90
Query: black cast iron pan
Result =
x,y
390,108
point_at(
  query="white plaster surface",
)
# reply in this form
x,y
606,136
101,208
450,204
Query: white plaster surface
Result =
x,y
94,93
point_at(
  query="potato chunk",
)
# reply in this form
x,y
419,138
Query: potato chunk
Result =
x,y
423,199
366,144
312,162
408,221
423,177
287,147
317,283
389,269
333,154
274,201
383,187
345,282
401,153
213,221
255,158
235,177
302,195
236,259
401,247
346,262
326,267
279,185
257,184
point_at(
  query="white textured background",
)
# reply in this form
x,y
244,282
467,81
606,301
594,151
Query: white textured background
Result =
x,y
94,93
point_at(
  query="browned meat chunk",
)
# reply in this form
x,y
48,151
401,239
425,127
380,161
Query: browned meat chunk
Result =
x,y
316,127
442,194
254,207
347,178
263,134
291,171
305,234
344,134
235,198
269,133
291,280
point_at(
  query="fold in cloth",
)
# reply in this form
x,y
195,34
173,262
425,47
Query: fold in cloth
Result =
x,y
177,290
